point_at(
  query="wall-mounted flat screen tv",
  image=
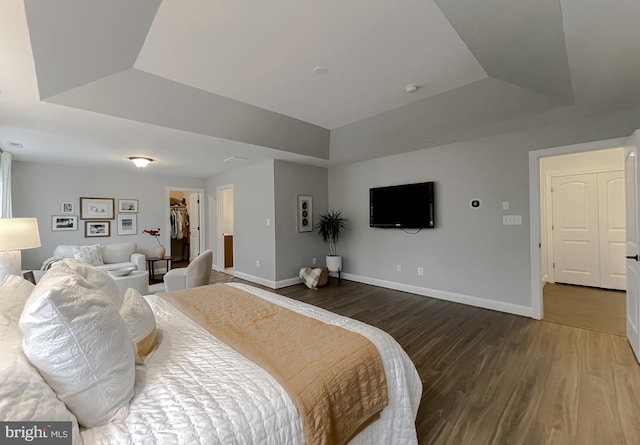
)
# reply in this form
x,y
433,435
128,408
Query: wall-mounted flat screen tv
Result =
x,y
409,206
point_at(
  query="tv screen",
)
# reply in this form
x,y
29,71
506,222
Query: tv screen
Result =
x,y
409,206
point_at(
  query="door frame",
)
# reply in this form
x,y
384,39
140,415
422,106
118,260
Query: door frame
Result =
x,y
535,222
167,212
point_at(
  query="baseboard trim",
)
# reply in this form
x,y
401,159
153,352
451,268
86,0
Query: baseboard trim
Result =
x,y
510,308
288,282
258,280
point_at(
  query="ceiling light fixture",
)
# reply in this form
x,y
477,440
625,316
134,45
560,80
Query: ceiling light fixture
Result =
x,y
140,161
320,70
411,88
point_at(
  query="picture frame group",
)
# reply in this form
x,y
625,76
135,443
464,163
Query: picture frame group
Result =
x,y
97,214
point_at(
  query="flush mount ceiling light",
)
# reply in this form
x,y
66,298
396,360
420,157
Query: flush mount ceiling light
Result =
x,y
140,161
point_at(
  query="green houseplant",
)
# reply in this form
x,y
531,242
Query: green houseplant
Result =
x,y
331,224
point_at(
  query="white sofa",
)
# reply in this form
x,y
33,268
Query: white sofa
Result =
x,y
113,255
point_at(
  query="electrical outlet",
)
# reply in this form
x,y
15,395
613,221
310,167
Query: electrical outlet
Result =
x,y
268,221
314,261
420,271
257,263
399,268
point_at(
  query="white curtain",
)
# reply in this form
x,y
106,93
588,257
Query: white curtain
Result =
x,y
5,185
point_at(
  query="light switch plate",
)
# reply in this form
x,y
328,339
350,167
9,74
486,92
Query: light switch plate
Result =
x,y
512,220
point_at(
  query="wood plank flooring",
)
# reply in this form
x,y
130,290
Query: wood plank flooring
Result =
x,y
591,308
494,378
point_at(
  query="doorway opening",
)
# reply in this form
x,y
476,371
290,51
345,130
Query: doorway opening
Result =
x,y
540,272
226,244
583,239
184,239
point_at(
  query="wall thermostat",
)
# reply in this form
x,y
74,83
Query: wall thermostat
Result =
x,y
475,203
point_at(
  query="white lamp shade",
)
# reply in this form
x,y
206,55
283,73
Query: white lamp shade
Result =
x,y
19,234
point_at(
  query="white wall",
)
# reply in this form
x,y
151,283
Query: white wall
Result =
x,y
293,249
254,201
227,202
38,190
470,256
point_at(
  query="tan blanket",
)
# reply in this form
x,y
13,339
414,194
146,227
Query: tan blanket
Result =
x,y
334,376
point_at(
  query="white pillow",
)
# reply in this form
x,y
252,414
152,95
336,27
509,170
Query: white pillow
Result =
x,y
93,278
14,292
24,395
75,336
141,324
89,254
118,252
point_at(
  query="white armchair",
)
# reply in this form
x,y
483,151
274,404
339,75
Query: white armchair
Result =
x,y
195,274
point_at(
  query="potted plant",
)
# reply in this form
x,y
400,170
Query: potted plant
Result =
x,y
329,227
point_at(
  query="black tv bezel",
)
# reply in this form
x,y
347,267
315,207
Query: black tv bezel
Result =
x,y
431,196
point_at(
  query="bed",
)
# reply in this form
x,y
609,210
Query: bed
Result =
x,y
195,389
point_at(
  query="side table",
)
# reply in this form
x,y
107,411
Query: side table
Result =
x,y
137,280
151,267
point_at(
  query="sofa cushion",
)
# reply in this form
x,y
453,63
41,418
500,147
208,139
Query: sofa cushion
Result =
x,y
75,336
118,252
89,254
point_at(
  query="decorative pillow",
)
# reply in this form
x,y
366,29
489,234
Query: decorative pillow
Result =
x,y
141,324
24,395
314,278
93,278
89,254
14,292
75,336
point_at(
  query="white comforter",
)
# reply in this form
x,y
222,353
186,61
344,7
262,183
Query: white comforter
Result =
x,y
197,390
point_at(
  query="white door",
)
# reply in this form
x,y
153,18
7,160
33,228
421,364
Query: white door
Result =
x,y
633,271
611,227
575,229
194,225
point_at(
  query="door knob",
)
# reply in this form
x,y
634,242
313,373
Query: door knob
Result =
x,y
635,257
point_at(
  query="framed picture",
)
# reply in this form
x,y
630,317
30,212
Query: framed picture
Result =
x,y
96,208
64,222
305,213
127,225
67,207
127,206
95,229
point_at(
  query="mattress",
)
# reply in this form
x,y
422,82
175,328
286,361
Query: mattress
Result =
x,y
197,390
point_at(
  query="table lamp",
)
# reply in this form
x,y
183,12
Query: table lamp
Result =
x,y
16,234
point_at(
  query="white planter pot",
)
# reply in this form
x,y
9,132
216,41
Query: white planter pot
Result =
x,y
334,263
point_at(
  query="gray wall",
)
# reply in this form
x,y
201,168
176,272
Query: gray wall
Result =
x,y
254,240
293,249
470,256
39,189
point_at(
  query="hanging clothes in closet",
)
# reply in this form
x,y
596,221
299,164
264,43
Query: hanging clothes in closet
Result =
x,y
179,222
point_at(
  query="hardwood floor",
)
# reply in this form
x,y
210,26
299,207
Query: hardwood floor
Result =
x,y
591,308
494,378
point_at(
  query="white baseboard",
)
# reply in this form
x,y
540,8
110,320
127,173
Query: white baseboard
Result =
x,y
259,280
288,282
470,300
509,308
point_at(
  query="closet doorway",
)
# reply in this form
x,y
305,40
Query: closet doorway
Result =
x,y
226,242
185,212
583,239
